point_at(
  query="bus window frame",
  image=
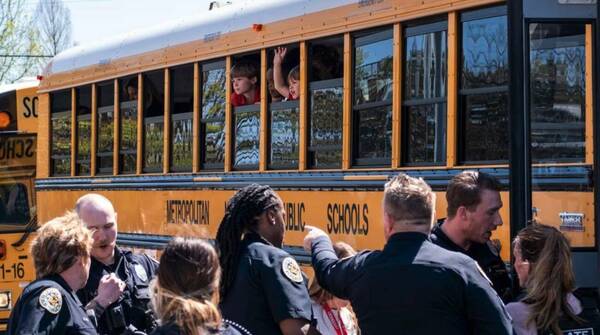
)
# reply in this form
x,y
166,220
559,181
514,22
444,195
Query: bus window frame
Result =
x,y
357,40
253,108
179,117
416,28
462,93
104,170
58,115
320,85
85,117
206,66
275,107
147,120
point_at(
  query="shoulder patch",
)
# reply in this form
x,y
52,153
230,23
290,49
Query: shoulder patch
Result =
x,y
291,270
140,272
51,300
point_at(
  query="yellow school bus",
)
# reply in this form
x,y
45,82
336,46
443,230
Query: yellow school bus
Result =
x,y
429,88
18,143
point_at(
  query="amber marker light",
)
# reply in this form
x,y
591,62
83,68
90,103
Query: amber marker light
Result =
x,y
257,27
4,119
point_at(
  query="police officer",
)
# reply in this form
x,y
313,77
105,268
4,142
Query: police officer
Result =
x,y
473,214
262,286
131,310
412,286
49,305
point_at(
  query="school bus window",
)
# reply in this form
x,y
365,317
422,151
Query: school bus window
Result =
x,y
14,206
128,109
61,132
424,103
246,115
182,103
326,68
154,83
84,129
212,122
284,91
483,100
372,100
105,126
557,88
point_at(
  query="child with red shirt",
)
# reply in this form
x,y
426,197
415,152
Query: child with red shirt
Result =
x,y
244,77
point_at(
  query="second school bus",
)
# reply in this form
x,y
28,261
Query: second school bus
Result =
x,y
423,87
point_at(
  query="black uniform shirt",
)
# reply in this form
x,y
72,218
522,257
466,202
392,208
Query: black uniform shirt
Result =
x,y
49,306
268,288
486,255
136,271
412,287
171,328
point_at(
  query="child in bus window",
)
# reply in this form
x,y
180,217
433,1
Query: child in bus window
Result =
x,y
292,90
275,96
131,89
245,89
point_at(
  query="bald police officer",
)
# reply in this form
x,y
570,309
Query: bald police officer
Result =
x,y
49,305
412,286
474,205
129,308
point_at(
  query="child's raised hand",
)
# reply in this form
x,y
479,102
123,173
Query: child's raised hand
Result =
x,y
279,55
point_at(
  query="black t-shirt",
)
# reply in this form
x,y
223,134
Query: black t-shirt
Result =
x,y
269,287
49,306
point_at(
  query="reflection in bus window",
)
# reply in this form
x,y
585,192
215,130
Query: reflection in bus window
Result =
x,y
557,88
105,126
128,109
372,108
425,94
61,132
182,103
14,205
212,122
484,86
247,130
84,129
154,86
326,65
284,136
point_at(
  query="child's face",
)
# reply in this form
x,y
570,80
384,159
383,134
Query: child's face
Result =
x,y
294,88
242,85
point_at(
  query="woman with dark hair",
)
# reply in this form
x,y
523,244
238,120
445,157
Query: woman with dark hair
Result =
x,y
263,288
186,290
550,305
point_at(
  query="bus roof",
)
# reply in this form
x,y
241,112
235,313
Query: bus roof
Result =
x,y
220,21
26,82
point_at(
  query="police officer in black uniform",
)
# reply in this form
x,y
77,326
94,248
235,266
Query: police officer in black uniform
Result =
x,y
49,305
412,286
473,213
262,286
130,311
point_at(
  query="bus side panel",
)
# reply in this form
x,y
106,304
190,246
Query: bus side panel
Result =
x,y
43,149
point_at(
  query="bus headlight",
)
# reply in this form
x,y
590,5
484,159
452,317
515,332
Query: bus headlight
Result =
x,y
5,300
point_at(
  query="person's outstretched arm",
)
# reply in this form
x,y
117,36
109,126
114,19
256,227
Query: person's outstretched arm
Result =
x,y
278,79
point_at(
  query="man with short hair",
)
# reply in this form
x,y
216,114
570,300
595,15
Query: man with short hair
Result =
x,y
412,286
61,255
473,214
130,309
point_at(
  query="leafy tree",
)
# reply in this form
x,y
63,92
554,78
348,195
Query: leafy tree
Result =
x,y
17,38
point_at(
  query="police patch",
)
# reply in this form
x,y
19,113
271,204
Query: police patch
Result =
x,y
291,269
140,272
51,300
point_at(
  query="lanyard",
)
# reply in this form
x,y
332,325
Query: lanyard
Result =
x,y
339,327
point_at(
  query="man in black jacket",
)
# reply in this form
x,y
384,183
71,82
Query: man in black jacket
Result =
x,y
412,286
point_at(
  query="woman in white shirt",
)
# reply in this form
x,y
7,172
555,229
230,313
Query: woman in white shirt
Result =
x,y
543,265
334,315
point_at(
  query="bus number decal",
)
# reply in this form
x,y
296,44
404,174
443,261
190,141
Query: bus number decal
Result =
x,y
30,109
15,271
351,219
188,211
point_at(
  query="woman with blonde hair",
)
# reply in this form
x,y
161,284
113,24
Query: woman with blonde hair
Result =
x,y
551,304
186,290
332,314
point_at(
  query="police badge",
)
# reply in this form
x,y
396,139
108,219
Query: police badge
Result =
x,y
141,272
51,300
291,269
